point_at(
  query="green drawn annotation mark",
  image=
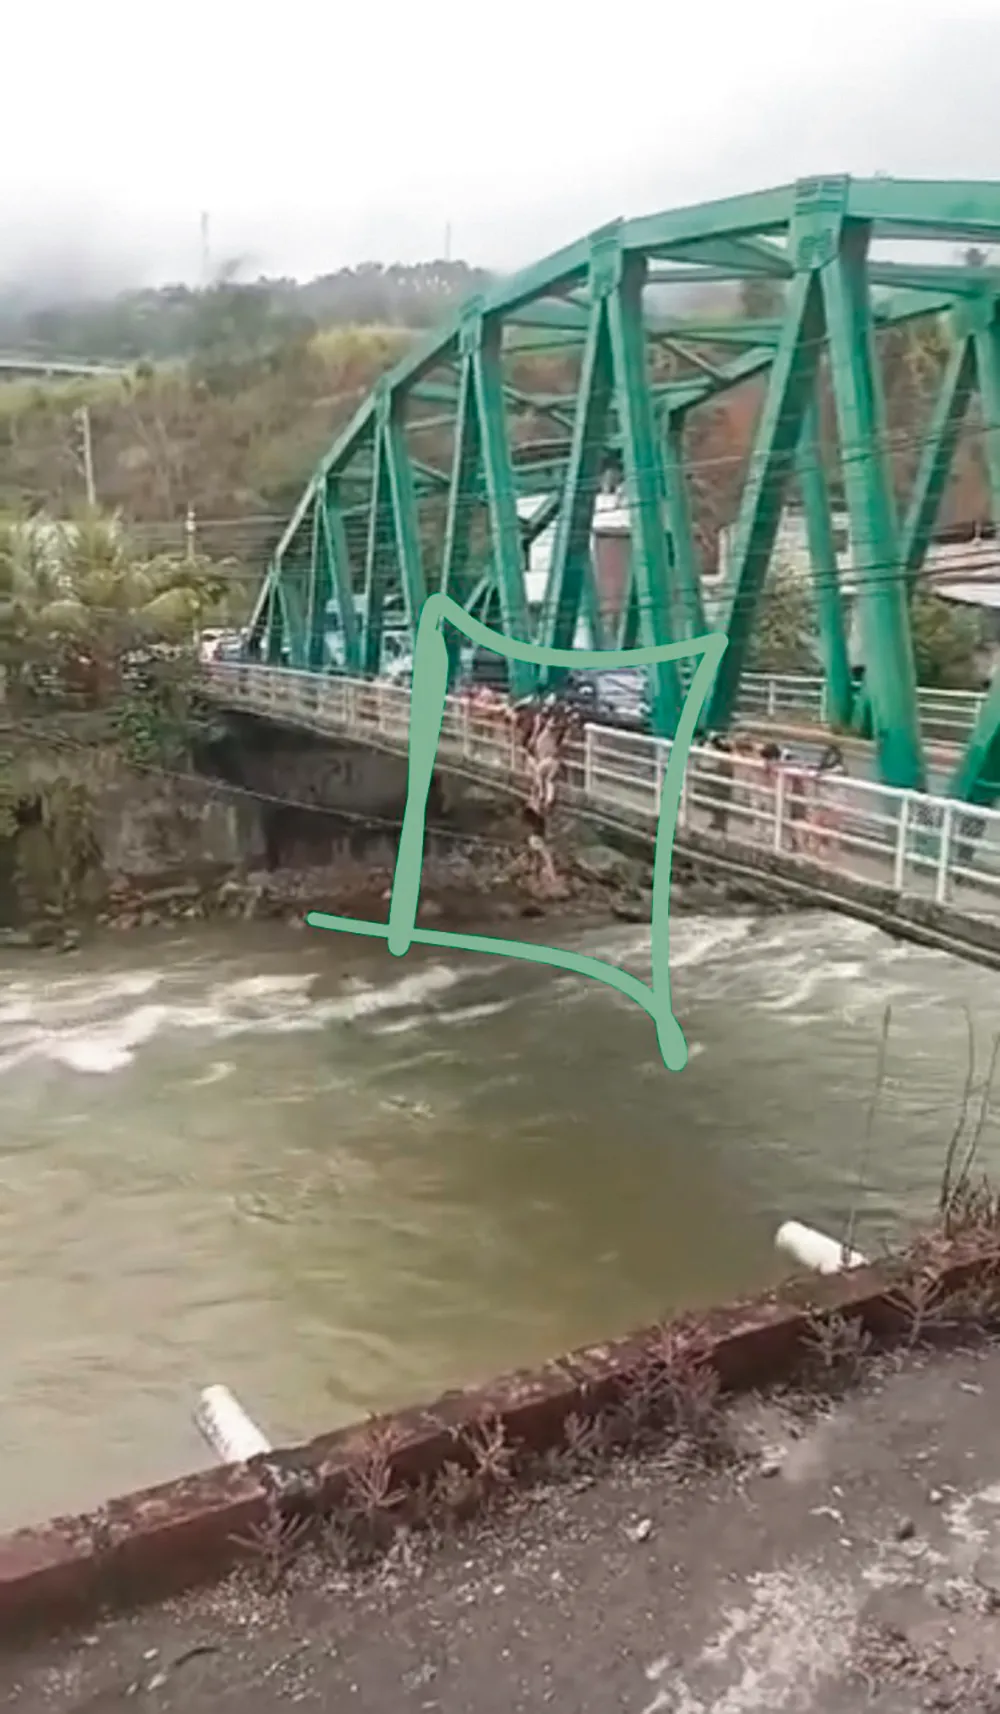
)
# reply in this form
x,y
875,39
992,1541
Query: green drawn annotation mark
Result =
x,y
427,702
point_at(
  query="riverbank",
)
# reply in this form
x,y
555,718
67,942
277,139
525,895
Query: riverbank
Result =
x,y
468,883
91,841
851,1564
831,1443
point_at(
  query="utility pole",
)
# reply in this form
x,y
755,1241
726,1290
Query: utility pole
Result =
x,y
447,242
83,418
206,259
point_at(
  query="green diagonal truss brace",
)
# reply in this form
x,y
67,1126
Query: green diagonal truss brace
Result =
x,y
428,487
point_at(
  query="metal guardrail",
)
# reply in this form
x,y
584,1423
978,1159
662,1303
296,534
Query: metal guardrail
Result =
x,y
946,716
911,842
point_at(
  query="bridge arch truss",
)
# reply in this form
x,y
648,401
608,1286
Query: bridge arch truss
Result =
x,y
577,370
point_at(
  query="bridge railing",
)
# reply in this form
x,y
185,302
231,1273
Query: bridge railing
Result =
x,y
909,842
946,716
906,841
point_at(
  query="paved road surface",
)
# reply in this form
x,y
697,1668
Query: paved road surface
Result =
x,y
857,1574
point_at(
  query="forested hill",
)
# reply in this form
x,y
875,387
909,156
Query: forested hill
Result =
x,y
185,322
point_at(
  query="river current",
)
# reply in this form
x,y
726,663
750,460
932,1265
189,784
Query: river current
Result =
x,y
337,1182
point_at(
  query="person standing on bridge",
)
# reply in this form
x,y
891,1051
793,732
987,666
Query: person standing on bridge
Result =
x,y
771,760
721,788
825,817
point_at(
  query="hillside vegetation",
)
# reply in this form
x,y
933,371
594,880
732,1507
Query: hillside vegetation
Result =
x,y
234,392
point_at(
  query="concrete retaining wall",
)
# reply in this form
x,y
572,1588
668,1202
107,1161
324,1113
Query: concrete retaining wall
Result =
x,y
182,1534
303,768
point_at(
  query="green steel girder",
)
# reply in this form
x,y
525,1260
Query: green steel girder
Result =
x,y
779,430
631,378
621,277
890,671
571,574
688,611
966,211
977,777
831,622
341,583
954,282
936,457
378,555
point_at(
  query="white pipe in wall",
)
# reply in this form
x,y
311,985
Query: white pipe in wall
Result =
x,y
814,1250
223,1422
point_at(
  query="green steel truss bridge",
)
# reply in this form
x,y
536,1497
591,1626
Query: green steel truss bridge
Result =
x,y
574,372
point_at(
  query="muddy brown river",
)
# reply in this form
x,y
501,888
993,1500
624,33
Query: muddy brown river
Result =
x,y
337,1181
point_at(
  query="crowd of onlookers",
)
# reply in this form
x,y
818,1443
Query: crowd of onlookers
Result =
x,y
740,775
732,778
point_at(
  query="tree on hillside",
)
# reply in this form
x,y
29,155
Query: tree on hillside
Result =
x,y
784,626
946,643
175,321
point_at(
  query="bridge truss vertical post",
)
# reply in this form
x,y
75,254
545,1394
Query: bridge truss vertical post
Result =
x,y
378,552
977,777
456,581
937,456
686,578
572,570
501,494
620,278
274,625
831,626
293,597
841,248
320,591
337,578
404,512
790,386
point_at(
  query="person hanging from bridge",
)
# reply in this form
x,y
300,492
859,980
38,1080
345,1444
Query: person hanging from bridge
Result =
x,y
544,762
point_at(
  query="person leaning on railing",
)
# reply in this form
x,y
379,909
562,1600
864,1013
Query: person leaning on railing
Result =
x,y
774,761
825,818
720,788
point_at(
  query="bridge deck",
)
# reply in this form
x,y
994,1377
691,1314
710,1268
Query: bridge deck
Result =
x,y
908,842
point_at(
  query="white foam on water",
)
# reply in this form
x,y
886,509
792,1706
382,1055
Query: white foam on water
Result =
x,y
706,940
408,991
399,1026
473,1014
217,1072
693,940
82,1025
794,997
460,1015
64,998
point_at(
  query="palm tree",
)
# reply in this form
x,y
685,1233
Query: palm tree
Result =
x,y
77,598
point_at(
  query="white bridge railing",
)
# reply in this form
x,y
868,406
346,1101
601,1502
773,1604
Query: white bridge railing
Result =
x,y
946,716
911,842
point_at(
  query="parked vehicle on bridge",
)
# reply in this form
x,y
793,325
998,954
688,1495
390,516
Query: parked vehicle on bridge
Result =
x,y
615,698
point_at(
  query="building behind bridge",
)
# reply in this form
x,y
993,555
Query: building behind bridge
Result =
x,y
962,565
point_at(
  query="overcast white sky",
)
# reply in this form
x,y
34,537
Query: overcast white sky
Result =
x,y
323,134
